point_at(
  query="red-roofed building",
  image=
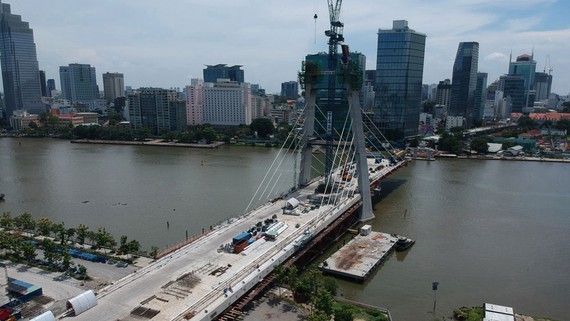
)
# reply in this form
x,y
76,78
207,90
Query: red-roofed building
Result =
x,y
70,119
549,116
533,134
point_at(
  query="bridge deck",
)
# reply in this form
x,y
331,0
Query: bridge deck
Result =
x,y
199,281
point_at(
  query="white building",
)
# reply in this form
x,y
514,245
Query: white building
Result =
x,y
260,106
454,121
195,102
227,103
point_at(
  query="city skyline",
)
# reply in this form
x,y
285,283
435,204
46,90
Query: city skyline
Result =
x,y
165,46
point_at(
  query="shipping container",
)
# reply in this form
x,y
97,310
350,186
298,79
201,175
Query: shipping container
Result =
x,y
242,236
240,245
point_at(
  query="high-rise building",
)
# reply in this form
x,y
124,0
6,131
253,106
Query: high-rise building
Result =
x,y
157,109
195,102
20,71
338,104
290,90
480,96
43,84
525,66
227,103
542,85
399,73
368,88
113,86
512,87
464,82
50,86
222,71
78,83
443,94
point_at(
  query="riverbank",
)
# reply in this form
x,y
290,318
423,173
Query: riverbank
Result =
x,y
503,158
155,142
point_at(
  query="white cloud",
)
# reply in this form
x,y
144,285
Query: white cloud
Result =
x,y
159,44
496,56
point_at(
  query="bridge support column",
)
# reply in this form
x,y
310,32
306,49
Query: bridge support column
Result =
x,y
308,131
366,212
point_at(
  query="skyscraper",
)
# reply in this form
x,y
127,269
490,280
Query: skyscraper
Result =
x,y
399,73
513,88
43,84
20,72
78,83
50,86
443,94
221,71
464,81
542,85
113,86
480,96
525,66
290,89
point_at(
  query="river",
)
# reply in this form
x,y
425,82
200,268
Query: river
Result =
x,y
487,231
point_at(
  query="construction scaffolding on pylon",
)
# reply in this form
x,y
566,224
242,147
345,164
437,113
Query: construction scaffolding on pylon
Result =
x,y
337,161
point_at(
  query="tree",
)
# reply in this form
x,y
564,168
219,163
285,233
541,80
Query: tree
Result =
x,y
43,226
81,232
70,232
323,301
6,240
343,315
527,123
50,251
508,144
153,251
65,258
82,272
25,222
28,250
566,107
479,144
123,244
209,134
133,246
318,315
104,239
263,126
279,276
450,142
60,232
6,221
563,124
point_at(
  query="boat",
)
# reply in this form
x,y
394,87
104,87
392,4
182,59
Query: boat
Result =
x,y
2,196
404,243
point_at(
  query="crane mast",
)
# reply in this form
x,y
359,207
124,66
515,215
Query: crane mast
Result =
x,y
335,34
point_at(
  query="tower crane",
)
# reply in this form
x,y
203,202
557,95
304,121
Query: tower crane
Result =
x,y
335,34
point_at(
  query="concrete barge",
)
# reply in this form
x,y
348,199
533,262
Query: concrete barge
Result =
x,y
357,259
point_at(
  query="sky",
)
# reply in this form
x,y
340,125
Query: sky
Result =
x,y
167,43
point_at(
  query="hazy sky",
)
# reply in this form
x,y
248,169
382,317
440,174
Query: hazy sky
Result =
x,y
166,43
